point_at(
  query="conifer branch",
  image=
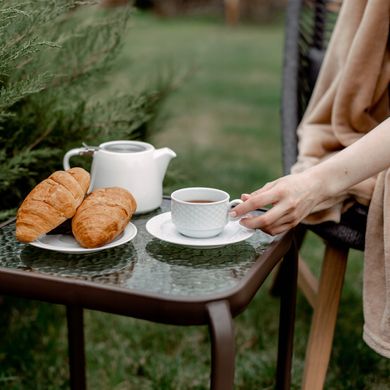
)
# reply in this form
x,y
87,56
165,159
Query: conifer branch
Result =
x,y
53,55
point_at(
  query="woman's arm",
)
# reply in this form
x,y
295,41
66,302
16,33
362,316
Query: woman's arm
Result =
x,y
293,197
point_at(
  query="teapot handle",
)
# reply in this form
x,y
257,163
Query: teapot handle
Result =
x,y
75,152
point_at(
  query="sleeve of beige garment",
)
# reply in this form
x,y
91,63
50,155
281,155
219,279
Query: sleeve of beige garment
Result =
x,y
350,97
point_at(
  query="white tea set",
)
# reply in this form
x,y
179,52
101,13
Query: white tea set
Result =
x,y
136,166
199,215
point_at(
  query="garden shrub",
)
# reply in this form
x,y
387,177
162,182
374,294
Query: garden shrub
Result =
x,y
54,55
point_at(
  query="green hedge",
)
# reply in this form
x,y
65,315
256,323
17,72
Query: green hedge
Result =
x,y
54,55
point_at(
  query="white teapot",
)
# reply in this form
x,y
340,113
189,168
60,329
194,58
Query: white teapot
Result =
x,y
134,165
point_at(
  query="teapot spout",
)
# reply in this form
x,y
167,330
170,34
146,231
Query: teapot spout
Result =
x,y
162,157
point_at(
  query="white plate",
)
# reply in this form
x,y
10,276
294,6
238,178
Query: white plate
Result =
x,y
66,243
161,227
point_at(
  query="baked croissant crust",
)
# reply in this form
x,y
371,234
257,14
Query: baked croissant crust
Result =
x,y
102,216
50,203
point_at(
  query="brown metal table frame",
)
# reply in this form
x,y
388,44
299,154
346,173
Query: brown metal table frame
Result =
x,y
215,310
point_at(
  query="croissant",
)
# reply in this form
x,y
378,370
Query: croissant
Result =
x,y
102,216
50,203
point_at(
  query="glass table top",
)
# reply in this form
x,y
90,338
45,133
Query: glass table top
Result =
x,y
144,264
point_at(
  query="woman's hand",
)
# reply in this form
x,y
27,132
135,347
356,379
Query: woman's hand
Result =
x,y
292,197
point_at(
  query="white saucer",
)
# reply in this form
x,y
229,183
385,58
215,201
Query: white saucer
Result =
x,y
66,243
161,227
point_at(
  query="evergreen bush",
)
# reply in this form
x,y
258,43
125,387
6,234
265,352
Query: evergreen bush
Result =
x,y
53,58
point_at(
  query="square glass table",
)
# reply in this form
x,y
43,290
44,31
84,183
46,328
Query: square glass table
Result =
x,y
153,280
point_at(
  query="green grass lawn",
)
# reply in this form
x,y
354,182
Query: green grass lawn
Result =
x,y
223,122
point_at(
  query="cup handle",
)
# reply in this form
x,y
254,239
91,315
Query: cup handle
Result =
x,y
232,204
74,152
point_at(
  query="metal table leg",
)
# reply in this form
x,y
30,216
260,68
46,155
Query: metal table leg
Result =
x,y
289,274
74,316
222,346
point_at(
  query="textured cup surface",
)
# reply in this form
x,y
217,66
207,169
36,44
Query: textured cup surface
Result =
x,y
200,220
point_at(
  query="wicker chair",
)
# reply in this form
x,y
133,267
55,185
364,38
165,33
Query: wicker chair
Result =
x,y
308,29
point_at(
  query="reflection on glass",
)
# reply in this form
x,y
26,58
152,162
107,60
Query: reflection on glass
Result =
x,y
146,264
83,265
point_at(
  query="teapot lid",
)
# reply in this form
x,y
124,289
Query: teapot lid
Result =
x,y
126,146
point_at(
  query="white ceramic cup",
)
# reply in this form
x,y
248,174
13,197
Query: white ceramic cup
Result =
x,y
201,212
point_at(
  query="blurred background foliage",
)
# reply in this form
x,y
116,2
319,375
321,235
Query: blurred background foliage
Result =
x,y
246,10
54,56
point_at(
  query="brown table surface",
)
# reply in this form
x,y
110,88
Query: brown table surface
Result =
x,y
153,280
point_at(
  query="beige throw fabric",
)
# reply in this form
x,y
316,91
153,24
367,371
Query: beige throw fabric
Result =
x,y
376,291
350,98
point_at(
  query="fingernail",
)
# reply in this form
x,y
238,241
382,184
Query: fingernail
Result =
x,y
233,214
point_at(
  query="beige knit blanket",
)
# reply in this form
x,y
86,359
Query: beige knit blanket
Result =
x,y
350,98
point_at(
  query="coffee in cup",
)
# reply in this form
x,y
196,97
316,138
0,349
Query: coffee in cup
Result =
x,y
201,212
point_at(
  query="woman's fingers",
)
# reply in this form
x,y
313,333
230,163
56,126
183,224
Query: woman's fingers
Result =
x,y
265,187
276,216
274,221
254,202
292,198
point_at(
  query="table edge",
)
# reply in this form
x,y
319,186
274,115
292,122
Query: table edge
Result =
x,y
155,307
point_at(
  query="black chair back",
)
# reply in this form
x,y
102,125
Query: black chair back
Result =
x,y
308,29
309,25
